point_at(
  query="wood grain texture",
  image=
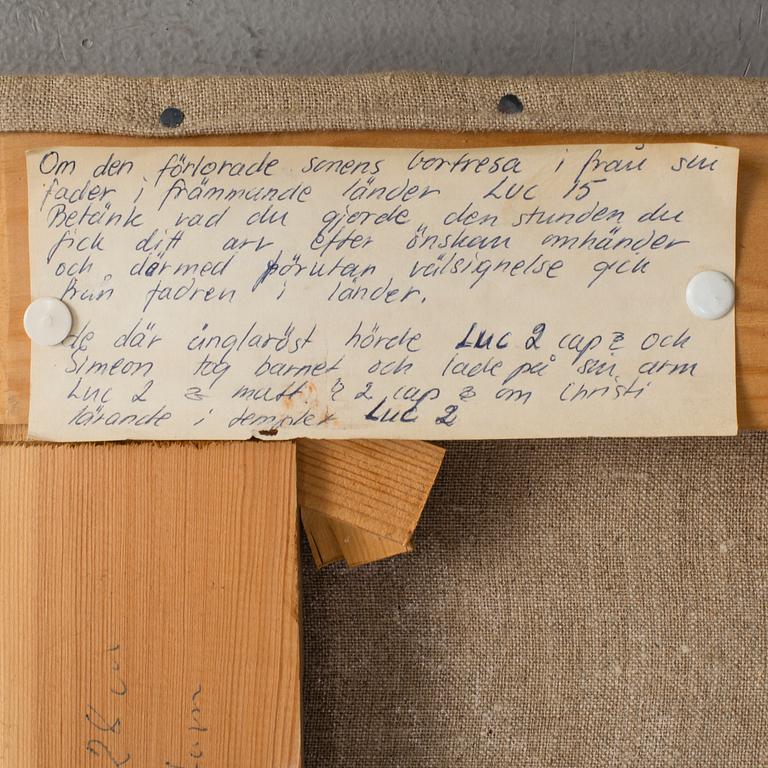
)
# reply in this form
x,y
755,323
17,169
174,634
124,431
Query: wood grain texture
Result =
x,y
331,541
321,537
752,234
359,547
140,583
329,538
378,486
13,433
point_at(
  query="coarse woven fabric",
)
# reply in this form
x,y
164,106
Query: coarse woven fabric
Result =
x,y
635,102
569,604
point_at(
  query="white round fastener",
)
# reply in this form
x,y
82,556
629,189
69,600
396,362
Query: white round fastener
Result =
x,y
710,295
47,321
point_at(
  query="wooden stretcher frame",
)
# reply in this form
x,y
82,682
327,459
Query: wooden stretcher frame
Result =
x,y
349,510
751,234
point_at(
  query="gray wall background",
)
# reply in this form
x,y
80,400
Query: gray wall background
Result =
x,y
185,37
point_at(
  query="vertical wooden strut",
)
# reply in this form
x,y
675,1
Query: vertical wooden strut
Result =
x,y
149,605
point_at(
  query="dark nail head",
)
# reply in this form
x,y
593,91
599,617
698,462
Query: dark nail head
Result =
x,y
510,104
171,117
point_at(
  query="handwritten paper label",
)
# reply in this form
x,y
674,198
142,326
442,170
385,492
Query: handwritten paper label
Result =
x,y
224,293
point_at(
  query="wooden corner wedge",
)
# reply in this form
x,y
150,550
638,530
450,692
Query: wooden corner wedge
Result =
x,y
377,486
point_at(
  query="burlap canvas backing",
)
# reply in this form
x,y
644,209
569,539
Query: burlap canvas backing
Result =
x,y
575,604
642,102
570,603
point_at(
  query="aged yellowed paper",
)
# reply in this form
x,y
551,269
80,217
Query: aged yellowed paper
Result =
x,y
226,293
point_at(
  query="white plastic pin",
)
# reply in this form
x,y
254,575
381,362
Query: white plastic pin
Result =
x,y
710,295
47,321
